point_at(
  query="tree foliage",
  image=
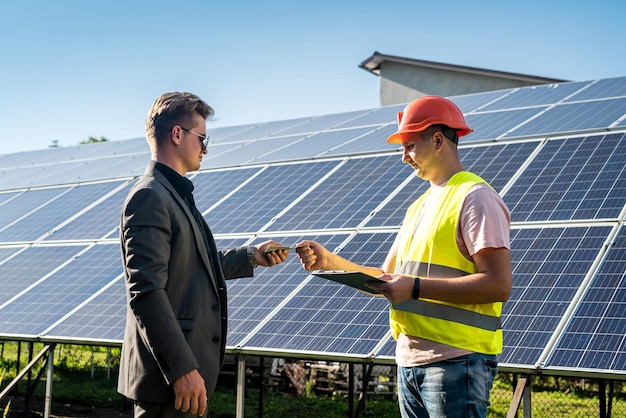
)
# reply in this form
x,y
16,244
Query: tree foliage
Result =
x,y
93,139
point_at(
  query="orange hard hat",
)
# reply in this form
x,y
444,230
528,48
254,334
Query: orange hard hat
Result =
x,y
426,111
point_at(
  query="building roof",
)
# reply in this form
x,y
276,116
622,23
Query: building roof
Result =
x,y
373,64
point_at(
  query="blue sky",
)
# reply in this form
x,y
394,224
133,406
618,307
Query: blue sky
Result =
x,y
75,69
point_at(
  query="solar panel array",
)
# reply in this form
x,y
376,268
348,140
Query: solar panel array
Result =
x,y
556,153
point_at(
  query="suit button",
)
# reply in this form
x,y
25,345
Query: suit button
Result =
x,y
216,307
216,340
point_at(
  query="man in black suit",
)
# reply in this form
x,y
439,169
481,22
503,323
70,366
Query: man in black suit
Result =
x,y
175,277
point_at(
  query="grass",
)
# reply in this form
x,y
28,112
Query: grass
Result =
x,y
8,406
88,378
275,404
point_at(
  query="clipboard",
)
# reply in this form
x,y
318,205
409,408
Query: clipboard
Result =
x,y
354,279
357,280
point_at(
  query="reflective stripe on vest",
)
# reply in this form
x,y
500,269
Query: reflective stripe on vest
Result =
x,y
435,253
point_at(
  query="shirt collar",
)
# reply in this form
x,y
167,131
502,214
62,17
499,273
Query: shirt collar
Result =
x,y
182,184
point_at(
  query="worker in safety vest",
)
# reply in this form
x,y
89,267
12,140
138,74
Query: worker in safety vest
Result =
x,y
447,273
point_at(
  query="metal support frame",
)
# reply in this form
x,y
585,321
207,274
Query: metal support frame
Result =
x,y
351,390
49,378
241,386
47,349
367,375
606,406
261,384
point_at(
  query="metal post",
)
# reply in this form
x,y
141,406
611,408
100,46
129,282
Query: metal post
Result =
x,y
367,376
602,397
92,363
17,365
351,390
241,386
28,379
48,400
261,384
108,363
528,406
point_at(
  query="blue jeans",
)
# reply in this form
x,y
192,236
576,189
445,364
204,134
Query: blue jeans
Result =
x,y
458,387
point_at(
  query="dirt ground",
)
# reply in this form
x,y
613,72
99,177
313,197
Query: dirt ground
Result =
x,y
61,410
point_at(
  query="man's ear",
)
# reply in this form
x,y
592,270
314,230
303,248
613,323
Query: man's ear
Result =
x,y
176,135
438,136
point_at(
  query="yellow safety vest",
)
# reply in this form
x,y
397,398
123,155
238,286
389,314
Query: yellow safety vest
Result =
x,y
431,250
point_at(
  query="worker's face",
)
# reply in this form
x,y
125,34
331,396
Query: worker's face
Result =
x,y
192,143
419,149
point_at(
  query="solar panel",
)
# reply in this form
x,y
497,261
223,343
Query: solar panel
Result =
x,y
327,317
42,305
96,223
123,166
492,125
388,350
251,300
301,148
595,336
555,153
565,118
6,252
608,87
265,129
31,265
211,187
263,197
42,220
572,178
221,135
469,103
323,123
24,203
102,318
372,141
549,265
223,155
229,243
252,152
5,197
380,116
346,197
535,96
496,164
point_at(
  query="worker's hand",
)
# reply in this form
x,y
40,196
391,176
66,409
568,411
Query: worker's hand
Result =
x,y
269,258
191,395
398,287
313,255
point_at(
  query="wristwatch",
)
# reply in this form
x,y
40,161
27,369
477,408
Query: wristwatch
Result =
x,y
416,288
250,251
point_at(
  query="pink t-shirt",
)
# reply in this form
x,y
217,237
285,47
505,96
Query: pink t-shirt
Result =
x,y
485,222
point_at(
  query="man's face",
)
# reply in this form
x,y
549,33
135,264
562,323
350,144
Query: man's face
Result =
x,y
193,143
419,153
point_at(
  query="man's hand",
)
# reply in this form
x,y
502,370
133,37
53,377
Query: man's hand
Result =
x,y
190,393
269,259
398,289
313,255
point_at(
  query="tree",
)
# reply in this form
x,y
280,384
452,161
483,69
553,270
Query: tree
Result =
x,y
93,139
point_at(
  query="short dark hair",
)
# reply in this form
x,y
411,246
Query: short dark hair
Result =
x,y
447,131
172,109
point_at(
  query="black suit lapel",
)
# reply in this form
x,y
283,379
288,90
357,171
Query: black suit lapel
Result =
x,y
204,254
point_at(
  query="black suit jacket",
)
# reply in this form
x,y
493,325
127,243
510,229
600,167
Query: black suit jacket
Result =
x,y
176,310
